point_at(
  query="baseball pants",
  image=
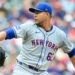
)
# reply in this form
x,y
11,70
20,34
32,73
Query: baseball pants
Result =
x,y
21,69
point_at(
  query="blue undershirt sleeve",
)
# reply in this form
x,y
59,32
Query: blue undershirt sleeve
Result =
x,y
10,33
72,53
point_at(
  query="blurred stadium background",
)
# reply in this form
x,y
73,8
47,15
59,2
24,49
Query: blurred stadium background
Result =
x,y
15,12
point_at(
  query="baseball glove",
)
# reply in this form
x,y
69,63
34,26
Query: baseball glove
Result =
x,y
2,56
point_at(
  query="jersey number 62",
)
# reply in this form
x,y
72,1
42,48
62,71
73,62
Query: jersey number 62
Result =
x,y
49,57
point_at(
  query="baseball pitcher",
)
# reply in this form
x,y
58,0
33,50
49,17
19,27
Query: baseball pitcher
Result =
x,y
41,41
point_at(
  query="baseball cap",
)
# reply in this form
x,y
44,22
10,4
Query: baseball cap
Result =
x,y
42,6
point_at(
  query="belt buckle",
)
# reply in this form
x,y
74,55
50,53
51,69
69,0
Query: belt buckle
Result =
x,y
33,68
38,70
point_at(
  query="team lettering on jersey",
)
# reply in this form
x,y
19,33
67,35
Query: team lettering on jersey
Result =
x,y
41,42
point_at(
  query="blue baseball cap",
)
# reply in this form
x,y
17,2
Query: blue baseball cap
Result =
x,y
44,7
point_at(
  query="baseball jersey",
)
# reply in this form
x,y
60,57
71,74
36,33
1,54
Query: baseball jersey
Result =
x,y
39,46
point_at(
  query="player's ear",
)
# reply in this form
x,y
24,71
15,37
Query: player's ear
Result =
x,y
48,14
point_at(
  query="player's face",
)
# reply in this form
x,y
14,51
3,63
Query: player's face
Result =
x,y
40,17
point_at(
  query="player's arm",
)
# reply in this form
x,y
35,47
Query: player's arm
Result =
x,y
15,32
68,48
7,34
72,56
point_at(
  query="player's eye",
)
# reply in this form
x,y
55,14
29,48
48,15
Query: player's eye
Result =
x,y
37,12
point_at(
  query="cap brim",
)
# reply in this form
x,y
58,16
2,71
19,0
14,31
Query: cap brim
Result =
x,y
33,10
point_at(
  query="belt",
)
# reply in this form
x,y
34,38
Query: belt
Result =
x,y
29,66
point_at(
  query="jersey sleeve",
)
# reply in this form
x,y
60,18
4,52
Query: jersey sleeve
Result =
x,y
67,45
10,33
21,30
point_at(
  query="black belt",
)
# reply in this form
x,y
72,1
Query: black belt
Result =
x,y
29,66
33,68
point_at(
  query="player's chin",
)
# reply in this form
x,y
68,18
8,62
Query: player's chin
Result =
x,y
36,22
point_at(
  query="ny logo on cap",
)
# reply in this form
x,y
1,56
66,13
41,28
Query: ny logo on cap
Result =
x,y
46,9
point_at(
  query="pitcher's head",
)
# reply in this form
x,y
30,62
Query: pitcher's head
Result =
x,y
42,11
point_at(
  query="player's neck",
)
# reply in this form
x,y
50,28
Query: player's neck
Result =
x,y
46,25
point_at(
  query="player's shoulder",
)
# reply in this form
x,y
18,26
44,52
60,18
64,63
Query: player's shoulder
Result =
x,y
25,26
59,31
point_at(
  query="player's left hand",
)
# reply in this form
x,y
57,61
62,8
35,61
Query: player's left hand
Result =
x,y
2,56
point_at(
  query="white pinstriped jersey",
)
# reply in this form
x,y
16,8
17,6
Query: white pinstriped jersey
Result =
x,y
39,46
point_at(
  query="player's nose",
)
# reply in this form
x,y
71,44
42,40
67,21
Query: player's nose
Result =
x,y
35,15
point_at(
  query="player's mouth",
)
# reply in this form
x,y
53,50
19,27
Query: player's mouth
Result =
x,y
36,19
